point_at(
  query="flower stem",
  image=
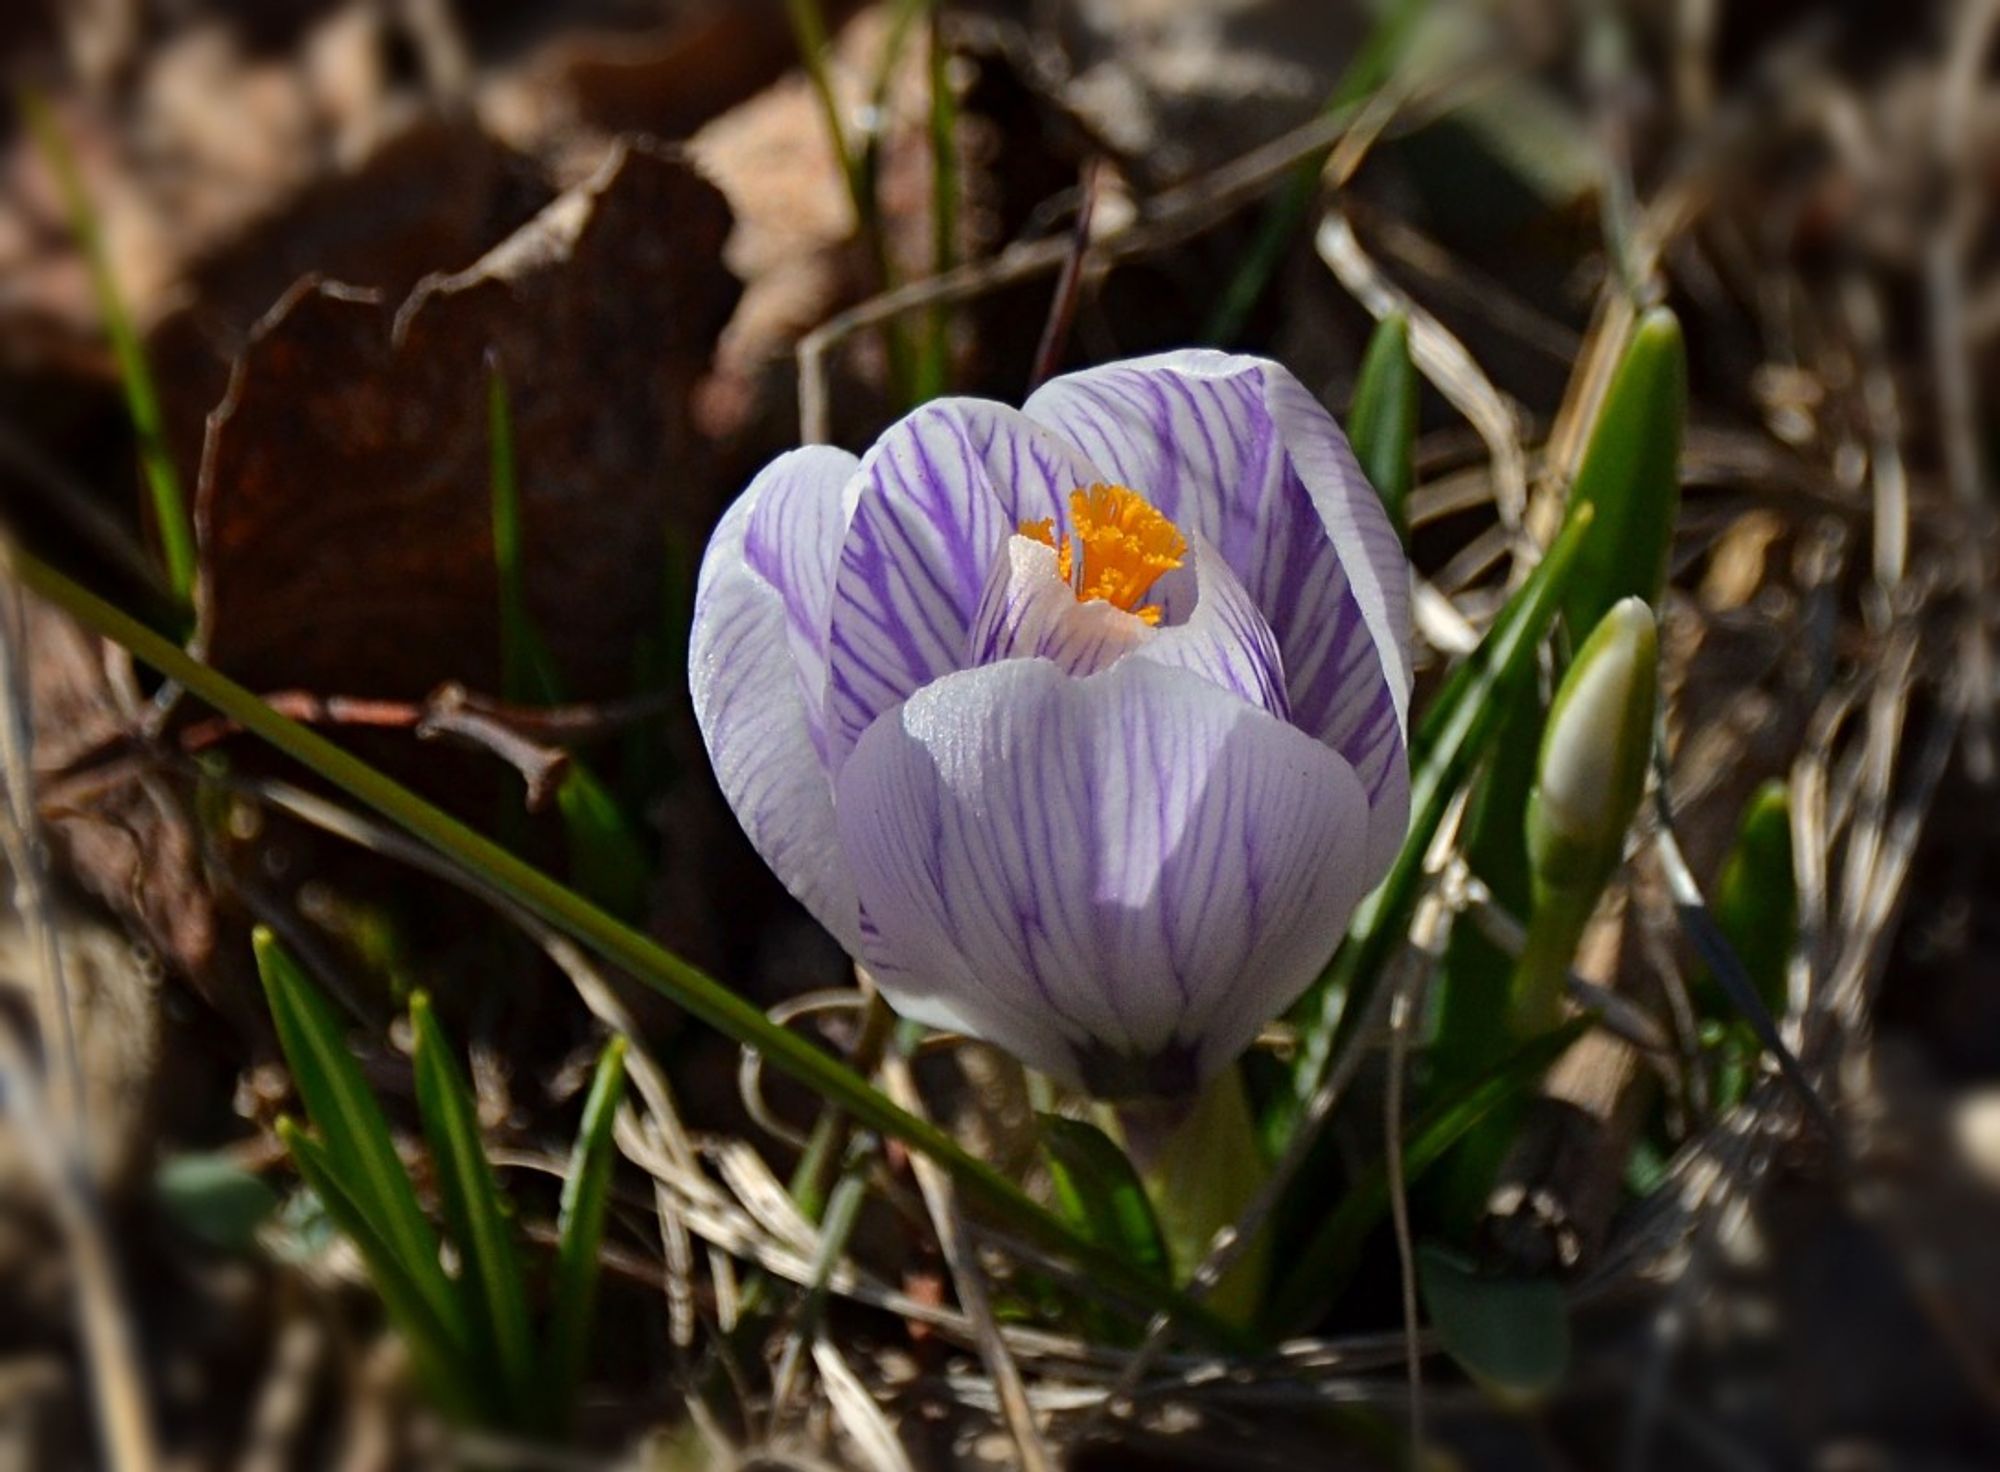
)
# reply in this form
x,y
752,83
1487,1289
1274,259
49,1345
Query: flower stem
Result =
x,y
1201,1164
1541,976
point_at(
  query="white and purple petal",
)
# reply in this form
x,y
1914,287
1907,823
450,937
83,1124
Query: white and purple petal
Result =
x,y
1030,612
1119,878
1236,450
1225,638
751,665
938,497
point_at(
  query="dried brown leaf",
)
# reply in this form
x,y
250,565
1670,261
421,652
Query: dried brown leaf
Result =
x,y
344,508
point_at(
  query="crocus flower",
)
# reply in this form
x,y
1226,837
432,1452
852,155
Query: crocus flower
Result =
x,y
1082,725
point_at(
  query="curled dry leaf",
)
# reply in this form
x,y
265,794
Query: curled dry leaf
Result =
x,y
344,504
432,194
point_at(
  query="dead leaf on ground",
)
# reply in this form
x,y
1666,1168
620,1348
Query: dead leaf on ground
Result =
x,y
666,78
125,838
344,507
228,174
432,196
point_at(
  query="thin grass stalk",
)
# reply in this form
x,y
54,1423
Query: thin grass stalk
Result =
x,y
858,171
934,366
142,398
1285,215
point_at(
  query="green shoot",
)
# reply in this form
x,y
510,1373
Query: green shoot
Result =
x,y
1382,421
481,1222
586,1196
142,398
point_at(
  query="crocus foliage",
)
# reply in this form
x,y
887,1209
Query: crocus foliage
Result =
x,y
1083,726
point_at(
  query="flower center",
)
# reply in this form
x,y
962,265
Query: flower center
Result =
x,y
1119,546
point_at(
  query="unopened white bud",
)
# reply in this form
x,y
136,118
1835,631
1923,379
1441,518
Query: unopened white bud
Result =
x,y
1592,771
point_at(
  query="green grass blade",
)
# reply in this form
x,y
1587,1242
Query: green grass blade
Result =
x,y
1756,903
482,1225
1323,1270
1446,747
606,859
527,673
350,1121
597,930
1100,1194
142,397
586,1196
859,169
437,1344
1630,477
934,362
1382,420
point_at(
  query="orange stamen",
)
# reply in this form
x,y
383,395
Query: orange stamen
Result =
x,y
1120,547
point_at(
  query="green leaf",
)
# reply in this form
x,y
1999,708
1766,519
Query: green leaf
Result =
x,y
1448,744
1382,420
527,670
1756,901
351,1123
606,860
1630,477
1473,980
1509,1334
1203,1164
437,1342
215,1200
933,367
1099,1193
481,1225
1322,1271
505,874
586,1195
1756,910
142,397
1474,983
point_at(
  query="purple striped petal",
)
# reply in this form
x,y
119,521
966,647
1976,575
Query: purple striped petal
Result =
x,y
1117,878
798,516
1225,639
1236,450
1029,612
752,660
939,495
